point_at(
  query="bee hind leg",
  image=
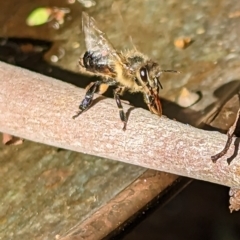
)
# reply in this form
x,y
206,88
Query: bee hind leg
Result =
x,y
117,93
87,101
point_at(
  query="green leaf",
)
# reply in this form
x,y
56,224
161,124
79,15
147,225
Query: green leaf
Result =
x,y
38,16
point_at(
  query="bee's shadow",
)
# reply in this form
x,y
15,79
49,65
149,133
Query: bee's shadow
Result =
x,y
100,98
96,100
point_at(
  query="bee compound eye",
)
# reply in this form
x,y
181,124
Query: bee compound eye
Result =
x,y
143,74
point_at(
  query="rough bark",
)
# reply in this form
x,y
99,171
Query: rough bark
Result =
x,y
40,108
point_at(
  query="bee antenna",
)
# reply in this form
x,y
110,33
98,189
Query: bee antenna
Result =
x,y
171,71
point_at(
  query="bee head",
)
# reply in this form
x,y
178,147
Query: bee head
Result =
x,y
149,78
149,75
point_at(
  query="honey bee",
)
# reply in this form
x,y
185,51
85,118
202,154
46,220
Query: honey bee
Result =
x,y
131,70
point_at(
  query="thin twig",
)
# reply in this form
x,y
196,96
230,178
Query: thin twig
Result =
x,y
40,108
230,134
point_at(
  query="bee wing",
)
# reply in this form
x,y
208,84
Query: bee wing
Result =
x,y
95,39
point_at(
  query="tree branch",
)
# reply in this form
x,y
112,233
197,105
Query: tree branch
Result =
x,y
40,108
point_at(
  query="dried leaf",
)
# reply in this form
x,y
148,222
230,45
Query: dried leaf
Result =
x,y
187,98
235,14
234,199
182,42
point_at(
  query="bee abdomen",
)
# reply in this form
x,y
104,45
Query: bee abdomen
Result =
x,y
95,62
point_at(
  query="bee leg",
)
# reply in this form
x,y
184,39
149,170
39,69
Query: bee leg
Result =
x,y
117,93
86,102
148,101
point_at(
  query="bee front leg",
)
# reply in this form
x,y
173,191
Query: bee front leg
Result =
x,y
86,102
153,103
117,93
